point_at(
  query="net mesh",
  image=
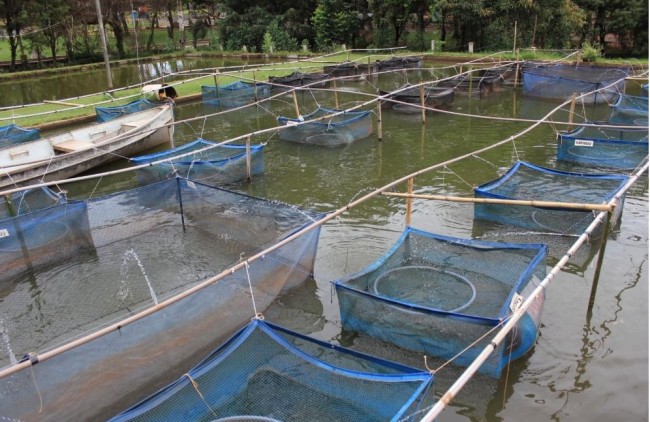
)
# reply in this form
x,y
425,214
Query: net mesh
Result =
x,y
104,114
97,262
211,163
236,94
560,81
630,110
336,130
14,134
287,382
437,295
433,97
606,147
525,181
313,79
29,200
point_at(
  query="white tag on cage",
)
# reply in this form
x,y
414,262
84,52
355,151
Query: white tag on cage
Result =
x,y
191,184
583,143
516,302
4,233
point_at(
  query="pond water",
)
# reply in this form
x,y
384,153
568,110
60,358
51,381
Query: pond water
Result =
x,y
589,362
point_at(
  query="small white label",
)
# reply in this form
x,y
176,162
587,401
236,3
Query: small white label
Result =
x,y
4,233
191,184
583,143
516,302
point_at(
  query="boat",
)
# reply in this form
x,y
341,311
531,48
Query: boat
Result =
x,y
235,94
13,134
630,110
268,373
311,80
104,114
561,81
434,96
202,160
76,151
528,182
442,295
603,146
326,127
138,303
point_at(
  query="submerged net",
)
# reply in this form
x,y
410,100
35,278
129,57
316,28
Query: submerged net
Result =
x,y
560,81
266,373
14,134
97,262
525,181
630,110
104,114
336,130
236,94
604,146
438,295
211,163
29,200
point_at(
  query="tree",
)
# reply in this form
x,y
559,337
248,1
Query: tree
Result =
x,y
50,17
15,16
335,22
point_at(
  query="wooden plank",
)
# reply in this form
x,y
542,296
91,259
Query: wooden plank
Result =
x,y
72,146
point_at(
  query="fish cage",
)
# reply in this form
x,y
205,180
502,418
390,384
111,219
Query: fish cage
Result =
x,y
326,127
268,373
122,294
443,296
104,114
13,134
433,96
296,79
204,161
236,94
603,146
630,110
561,81
528,182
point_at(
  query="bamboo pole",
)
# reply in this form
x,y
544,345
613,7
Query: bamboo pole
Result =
x,y
62,103
571,112
599,263
379,131
517,75
295,103
255,86
249,173
422,103
409,201
531,203
336,95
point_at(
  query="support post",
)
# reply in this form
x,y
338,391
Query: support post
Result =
x,y
409,201
336,95
295,103
599,263
249,173
102,37
423,104
379,131
572,109
517,74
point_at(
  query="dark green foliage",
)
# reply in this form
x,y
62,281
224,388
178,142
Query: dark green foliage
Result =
x,y
247,29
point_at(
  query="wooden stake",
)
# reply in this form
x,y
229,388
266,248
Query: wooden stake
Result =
x,y
409,201
422,103
517,75
249,173
336,95
379,132
599,264
295,103
571,111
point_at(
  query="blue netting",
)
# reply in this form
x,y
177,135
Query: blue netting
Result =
x,y
236,94
212,164
335,130
434,96
104,114
14,134
267,373
560,81
529,182
604,147
30,200
87,264
313,80
630,110
437,295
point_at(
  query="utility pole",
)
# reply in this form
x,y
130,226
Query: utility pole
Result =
x,y
102,36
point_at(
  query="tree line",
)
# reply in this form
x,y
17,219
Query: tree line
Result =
x,y
46,27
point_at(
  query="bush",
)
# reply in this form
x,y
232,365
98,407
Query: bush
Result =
x,y
589,53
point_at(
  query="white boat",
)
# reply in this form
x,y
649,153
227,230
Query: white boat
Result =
x,y
61,156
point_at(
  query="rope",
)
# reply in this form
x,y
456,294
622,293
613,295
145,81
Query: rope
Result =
x,y
198,391
250,286
458,176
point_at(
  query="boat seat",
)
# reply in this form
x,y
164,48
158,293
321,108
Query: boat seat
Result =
x,y
72,146
134,124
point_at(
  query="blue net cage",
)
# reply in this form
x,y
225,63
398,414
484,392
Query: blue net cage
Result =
x,y
525,181
202,160
236,94
14,134
267,373
561,81
73,269
603,146
105,114
630,110
330,127
442,296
